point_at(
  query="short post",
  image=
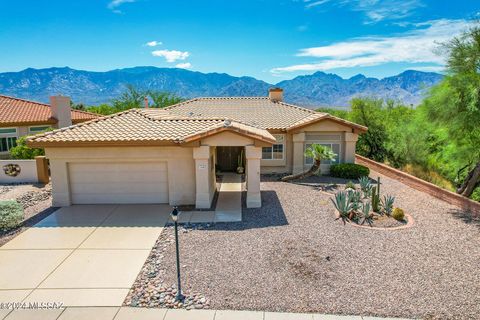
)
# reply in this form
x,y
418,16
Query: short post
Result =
x,y
179,297
42,169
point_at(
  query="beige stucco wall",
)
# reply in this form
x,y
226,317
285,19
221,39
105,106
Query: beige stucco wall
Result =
x,y
27,174
227,139
180,163
280,166
294,160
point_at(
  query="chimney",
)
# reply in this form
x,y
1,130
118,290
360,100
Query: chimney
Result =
x,y
275,94
61,110
146,102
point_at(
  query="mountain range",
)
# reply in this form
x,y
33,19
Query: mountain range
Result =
x,y
316,90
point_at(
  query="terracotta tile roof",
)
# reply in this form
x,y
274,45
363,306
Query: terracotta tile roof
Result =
x,y
138,126
189,121
256,111
318,116
15,111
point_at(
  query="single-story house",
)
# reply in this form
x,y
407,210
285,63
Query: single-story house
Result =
x,y
171,155
19,117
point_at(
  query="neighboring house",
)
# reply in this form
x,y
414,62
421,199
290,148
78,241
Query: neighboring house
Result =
x,y
170,155
19,117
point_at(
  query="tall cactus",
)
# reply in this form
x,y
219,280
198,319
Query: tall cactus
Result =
x,y
375,200
378,187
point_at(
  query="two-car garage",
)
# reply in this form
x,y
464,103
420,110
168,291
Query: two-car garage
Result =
x,y
120,182
120,175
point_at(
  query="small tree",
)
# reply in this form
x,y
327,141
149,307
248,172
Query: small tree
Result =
x,y
163,99
22,151
318,153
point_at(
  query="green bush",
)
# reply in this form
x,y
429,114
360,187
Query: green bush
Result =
x,y
350,185
11,214
349,171
476,194
22,151
398,214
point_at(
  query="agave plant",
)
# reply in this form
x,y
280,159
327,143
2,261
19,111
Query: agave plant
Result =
x,y
355,198
365,186
366,214
387,204
343,205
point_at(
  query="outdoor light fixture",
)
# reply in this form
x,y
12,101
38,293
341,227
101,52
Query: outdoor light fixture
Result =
x,y
174,215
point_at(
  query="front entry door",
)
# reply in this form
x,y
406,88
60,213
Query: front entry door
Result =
x,y
227,158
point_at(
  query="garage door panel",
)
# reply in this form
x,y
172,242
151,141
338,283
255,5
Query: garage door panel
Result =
x,y
143,178
120,182
153,188
118,198
116,166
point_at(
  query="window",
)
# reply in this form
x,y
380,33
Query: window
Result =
x,y
8,139
335,148
34,130
276,151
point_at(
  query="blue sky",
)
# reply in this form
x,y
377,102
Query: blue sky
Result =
x,y
267,39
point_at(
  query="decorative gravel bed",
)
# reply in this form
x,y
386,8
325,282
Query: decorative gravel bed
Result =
x,y
36,201
152,289
292,256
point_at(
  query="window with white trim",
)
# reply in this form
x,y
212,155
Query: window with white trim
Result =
x,y
276,151
37,129
8,139
335,148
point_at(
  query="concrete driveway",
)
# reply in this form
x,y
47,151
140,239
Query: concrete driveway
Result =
x,y
85,255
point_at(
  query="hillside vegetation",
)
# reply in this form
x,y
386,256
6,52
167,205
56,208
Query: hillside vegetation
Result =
x,y
440,140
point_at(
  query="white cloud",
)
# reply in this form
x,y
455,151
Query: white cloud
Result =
x,y
153,43
428,68
374,10
115,4
415,46
171,55
186,65
315,3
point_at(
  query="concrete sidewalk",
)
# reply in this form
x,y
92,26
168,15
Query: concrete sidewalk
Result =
x,y
127,313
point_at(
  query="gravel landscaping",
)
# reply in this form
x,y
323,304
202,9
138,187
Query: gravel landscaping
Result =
x,y
36,201
292,256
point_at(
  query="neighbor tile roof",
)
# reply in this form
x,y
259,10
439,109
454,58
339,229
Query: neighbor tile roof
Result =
x,y
136,125
15,111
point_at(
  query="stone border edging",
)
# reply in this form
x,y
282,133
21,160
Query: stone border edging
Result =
x,y
422,185
409,224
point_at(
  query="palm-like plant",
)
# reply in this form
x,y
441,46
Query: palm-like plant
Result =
x,y
318,153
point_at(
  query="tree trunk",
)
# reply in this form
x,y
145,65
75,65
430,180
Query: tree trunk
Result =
x,y
463,185
471,181
313,170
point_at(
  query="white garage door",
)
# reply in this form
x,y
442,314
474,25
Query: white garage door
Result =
x,y
137,182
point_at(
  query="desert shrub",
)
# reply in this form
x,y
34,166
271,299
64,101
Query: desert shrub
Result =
x,y
11,214
398,214
350,185
476,194
349,171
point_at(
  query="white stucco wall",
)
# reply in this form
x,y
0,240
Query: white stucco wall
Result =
x,y
28,171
